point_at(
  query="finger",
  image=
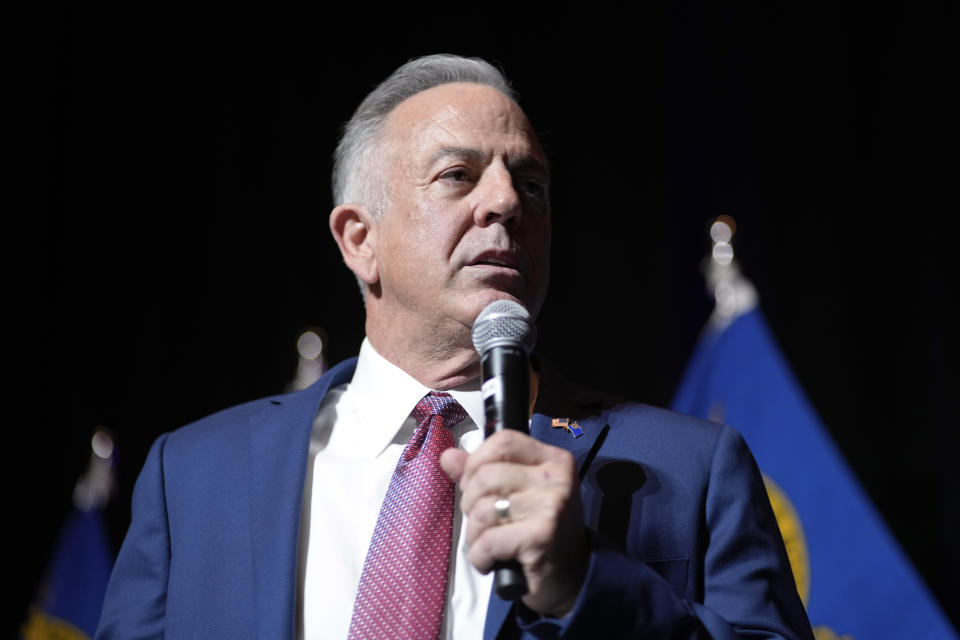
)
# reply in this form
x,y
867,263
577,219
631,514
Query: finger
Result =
x,y
495,479
518,540
452,461
512,446
545,505
485,514
503,478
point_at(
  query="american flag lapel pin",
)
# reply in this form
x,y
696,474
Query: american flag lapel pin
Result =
x,y
570,425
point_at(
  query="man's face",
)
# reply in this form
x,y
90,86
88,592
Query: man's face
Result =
x,y
467,219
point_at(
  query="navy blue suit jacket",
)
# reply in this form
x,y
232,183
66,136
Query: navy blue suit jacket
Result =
x,y
684,543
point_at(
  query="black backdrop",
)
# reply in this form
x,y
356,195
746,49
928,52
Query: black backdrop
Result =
x,y
180,161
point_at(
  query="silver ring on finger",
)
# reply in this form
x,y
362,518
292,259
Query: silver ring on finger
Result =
x,y
502,509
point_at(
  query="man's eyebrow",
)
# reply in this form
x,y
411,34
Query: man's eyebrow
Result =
x,y
529,162
462,153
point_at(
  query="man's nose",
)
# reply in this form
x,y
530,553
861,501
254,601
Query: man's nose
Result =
x,y
499,200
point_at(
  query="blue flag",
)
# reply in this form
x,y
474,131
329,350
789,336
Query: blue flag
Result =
x,y
852,575
71,597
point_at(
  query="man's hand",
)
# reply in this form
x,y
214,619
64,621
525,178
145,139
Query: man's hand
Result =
x,y
545,532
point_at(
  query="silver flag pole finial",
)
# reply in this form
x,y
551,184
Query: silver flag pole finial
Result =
x,y
733,294
95,486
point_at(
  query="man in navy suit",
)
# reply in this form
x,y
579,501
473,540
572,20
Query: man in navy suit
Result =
x,y
255,522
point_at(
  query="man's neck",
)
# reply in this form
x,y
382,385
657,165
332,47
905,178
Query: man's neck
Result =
x,y
435,360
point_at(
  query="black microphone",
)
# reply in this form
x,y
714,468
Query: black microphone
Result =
x,y
503,334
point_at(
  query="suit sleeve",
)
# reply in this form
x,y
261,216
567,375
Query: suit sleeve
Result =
x,y
135,602
748,590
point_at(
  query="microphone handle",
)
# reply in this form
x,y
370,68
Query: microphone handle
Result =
x,y
506,400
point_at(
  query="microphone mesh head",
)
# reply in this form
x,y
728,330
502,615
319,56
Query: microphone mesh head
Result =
x,y
503,322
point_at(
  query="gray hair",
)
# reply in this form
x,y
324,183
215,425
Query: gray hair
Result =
x,y
353,162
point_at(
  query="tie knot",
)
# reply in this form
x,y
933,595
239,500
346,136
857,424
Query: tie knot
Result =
x,y
440,404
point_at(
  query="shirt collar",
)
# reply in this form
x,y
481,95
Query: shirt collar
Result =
x,y
379,399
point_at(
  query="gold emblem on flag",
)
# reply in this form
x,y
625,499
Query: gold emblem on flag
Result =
x,y
793,538
43,626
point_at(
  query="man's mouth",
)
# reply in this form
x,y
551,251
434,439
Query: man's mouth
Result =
x,y
497,259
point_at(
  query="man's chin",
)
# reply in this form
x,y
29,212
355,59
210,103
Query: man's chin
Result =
x,y
482,300
484,285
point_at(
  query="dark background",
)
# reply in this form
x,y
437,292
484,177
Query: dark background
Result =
x,y
179,160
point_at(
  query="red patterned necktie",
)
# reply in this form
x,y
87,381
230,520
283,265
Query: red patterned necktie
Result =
x,y
403,586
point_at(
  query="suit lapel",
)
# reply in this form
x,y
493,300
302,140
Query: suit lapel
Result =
x,y
541,428
279,441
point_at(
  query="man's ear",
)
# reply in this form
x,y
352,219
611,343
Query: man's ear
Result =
x,y
355,231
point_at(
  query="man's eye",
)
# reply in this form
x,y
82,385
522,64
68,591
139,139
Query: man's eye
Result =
x,y
533,188
455,175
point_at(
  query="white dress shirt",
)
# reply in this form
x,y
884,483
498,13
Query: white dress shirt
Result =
x,y
358,435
